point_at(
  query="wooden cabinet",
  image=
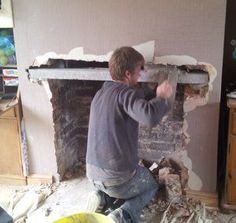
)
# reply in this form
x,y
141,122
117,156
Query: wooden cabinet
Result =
x,y
11,170
230,185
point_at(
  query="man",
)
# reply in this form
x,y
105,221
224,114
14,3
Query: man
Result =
x,y
112,151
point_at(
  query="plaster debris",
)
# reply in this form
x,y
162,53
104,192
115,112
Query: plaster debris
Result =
x,y
70,197
171,205
21,202
188,210
173,186
179,210
170,175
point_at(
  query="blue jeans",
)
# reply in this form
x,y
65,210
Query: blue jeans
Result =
x,y
137,192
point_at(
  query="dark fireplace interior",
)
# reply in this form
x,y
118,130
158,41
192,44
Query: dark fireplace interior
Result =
x,y
71,103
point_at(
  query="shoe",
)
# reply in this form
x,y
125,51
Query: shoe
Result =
x,y
120,216
96,202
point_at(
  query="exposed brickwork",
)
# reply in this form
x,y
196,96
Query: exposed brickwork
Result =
x,y
165,138
71,104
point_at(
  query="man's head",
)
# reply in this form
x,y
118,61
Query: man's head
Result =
x,y
124,63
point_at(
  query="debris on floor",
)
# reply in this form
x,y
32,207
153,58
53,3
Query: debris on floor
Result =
x,y
19,203
183,210
172,205
69,197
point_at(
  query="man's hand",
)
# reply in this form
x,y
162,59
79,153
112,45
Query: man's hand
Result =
x,y
164,90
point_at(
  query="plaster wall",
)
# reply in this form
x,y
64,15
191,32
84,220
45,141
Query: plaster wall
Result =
x,y
195,28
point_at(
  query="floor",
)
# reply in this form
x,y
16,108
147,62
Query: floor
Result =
x,y
70,197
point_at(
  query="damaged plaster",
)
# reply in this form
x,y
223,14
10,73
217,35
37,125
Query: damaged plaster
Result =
x,y
195,95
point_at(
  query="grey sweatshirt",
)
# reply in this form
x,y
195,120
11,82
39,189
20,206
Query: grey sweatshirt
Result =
x,y
115,113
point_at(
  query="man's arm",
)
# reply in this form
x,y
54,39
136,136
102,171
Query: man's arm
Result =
x,y
147,112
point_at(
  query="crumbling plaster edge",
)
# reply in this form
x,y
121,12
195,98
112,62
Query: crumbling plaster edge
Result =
x,y
190,104
195,182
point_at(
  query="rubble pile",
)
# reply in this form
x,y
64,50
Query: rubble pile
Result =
x,y
172,205
184,210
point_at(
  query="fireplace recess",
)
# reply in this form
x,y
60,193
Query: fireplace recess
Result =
x,y
73,88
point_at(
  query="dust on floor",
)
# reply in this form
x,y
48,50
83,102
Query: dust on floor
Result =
x,y
63,199
69,197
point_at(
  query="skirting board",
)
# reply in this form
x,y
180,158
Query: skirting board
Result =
x,y
34,179
209,199
12,180
37,179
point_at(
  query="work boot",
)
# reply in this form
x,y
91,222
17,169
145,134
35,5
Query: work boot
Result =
x,y
120,216
96,202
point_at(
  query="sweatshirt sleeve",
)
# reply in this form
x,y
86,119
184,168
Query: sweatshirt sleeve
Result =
x,y
146,112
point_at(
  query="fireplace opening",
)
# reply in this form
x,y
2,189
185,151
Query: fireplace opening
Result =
x,y
71,104
73,84
71,101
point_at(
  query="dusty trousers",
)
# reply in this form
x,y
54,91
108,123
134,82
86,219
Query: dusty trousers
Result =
x,y
137,192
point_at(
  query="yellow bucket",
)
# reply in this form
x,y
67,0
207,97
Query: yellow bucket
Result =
x,y
85,218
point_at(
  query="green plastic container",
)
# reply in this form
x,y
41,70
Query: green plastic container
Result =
x,y
85,218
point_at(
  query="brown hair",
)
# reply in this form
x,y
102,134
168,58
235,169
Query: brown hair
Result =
x,y
123,59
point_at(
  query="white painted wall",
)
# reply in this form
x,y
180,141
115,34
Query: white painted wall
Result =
x,y
195,28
